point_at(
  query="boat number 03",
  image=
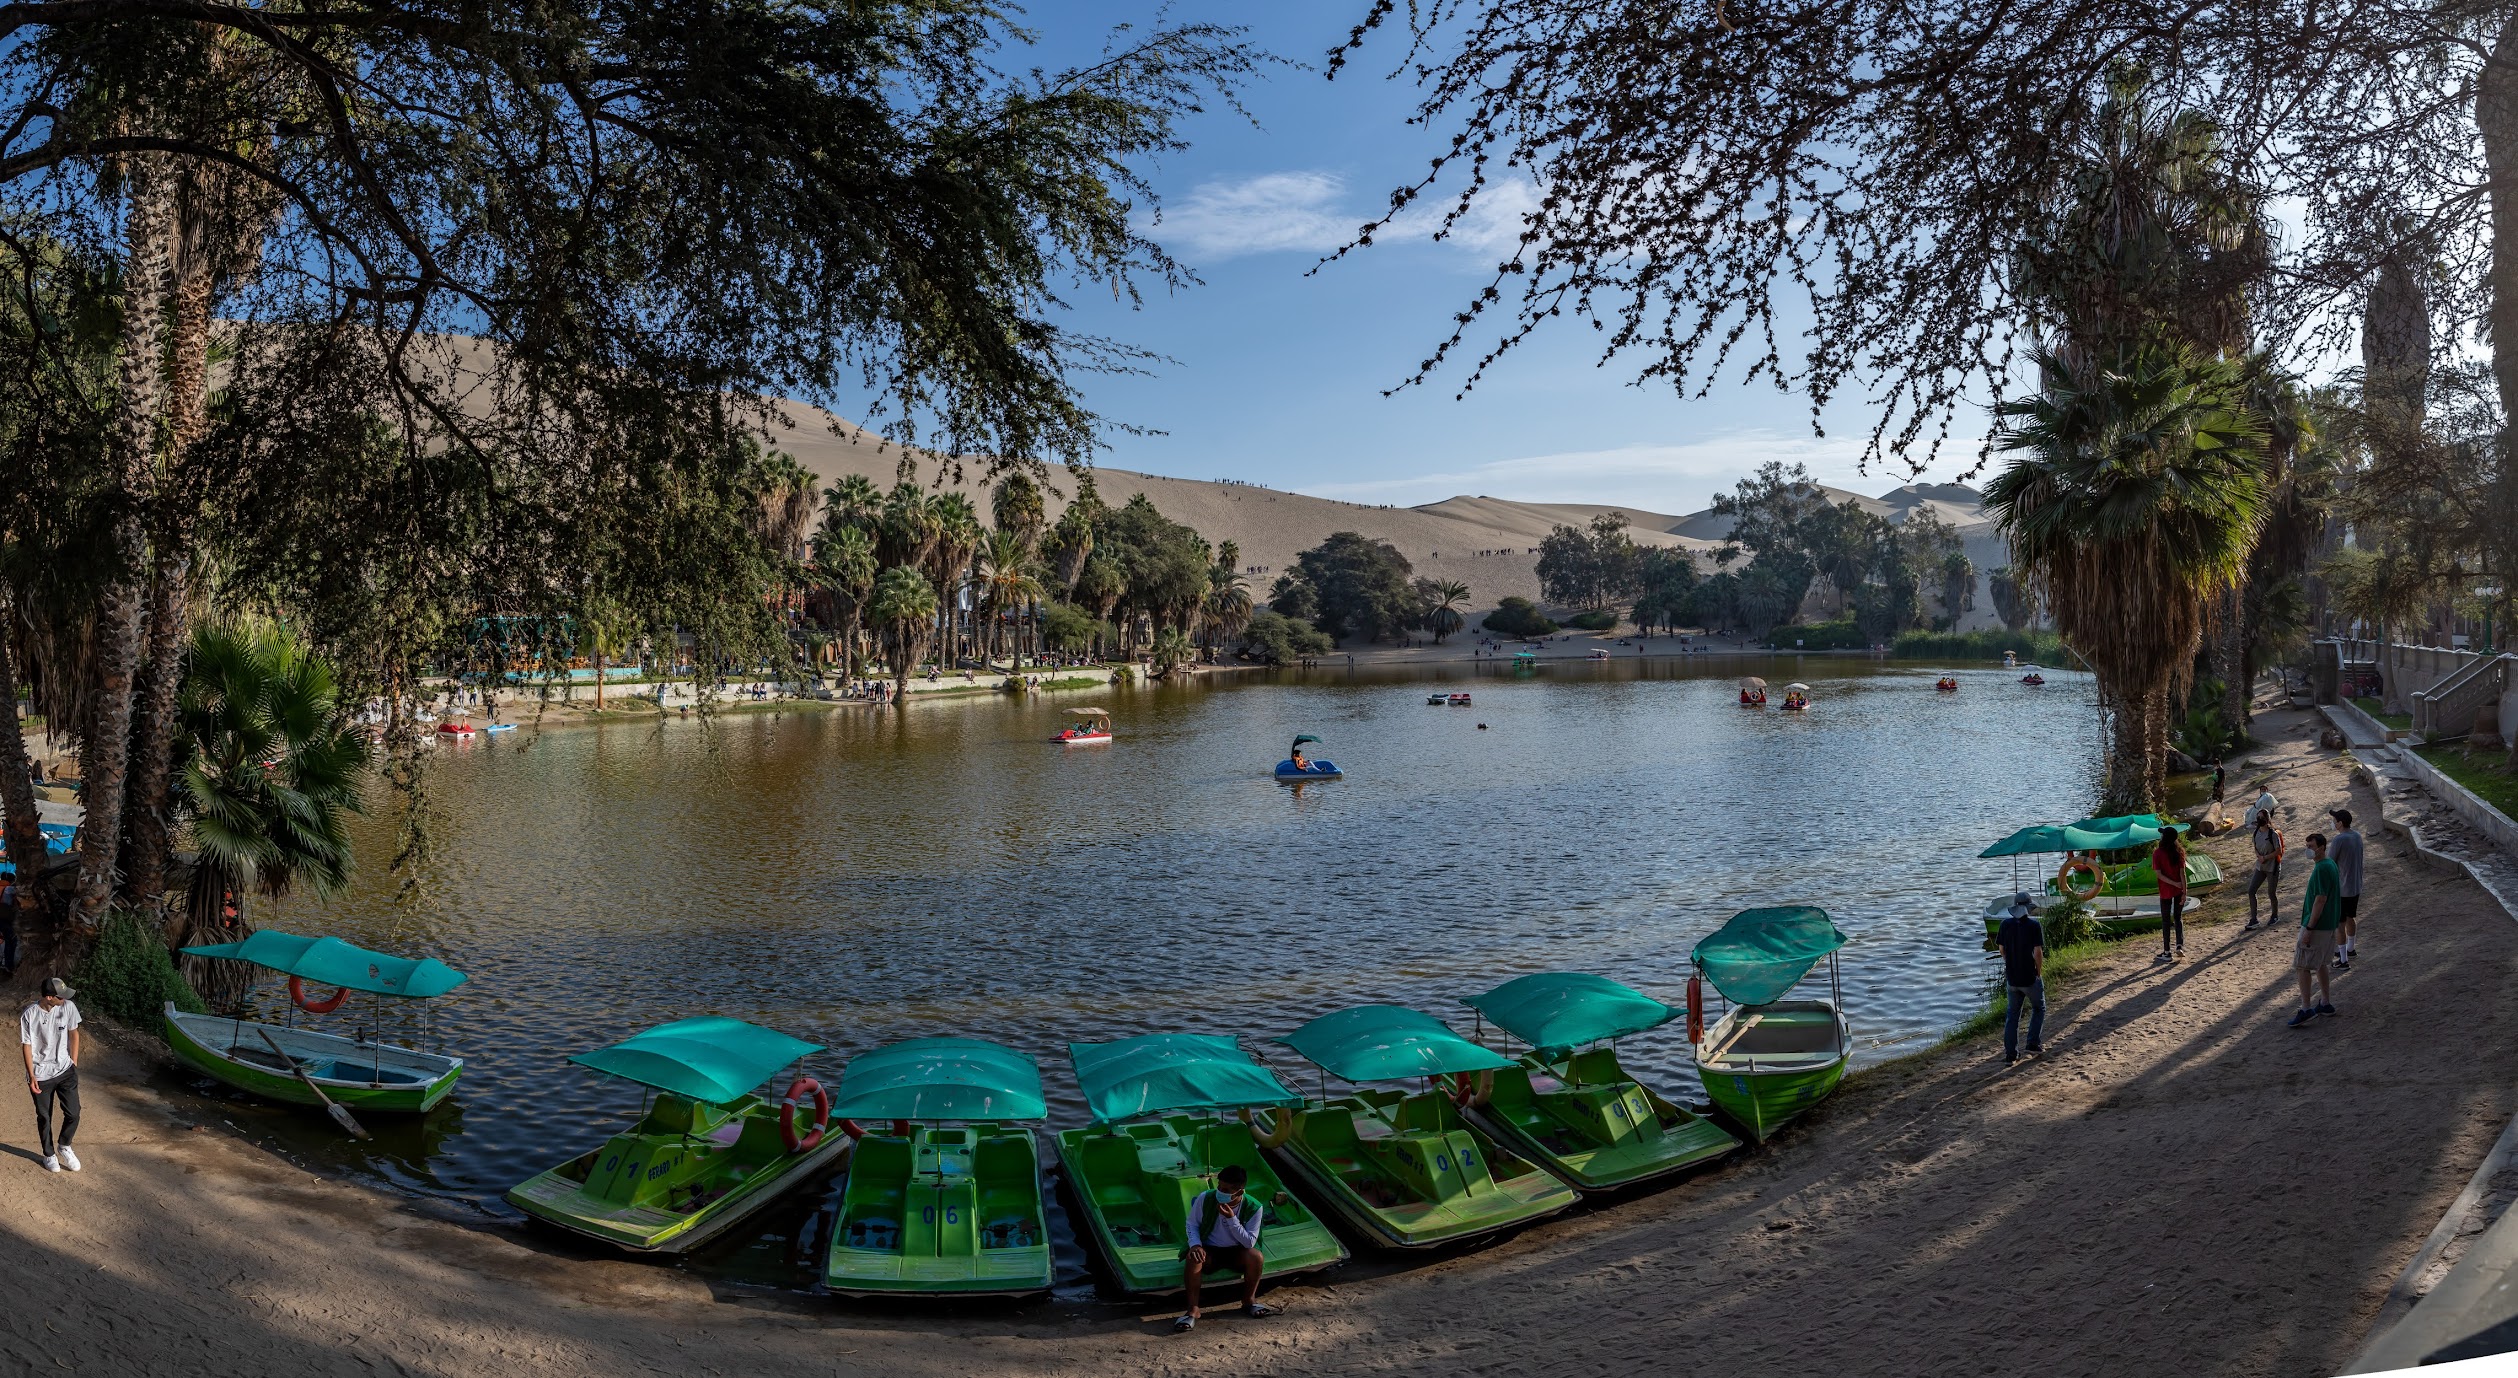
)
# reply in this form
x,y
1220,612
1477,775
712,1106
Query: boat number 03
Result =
x,y
952,1215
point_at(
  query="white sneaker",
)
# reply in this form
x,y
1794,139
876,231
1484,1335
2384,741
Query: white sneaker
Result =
x,y
51,1163
69,1159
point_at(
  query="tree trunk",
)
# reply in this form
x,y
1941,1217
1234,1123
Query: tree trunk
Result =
x,y
2128,751
598,675
122,609
2229,659
2496,119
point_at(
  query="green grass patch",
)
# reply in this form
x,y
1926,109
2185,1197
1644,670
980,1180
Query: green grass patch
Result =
x,y
2377,708
2481,773
2044,648
1839,635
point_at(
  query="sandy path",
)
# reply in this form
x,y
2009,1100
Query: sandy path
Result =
x,y
2181,1186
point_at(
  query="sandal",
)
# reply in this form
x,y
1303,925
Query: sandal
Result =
x,y
1184,1325
1259,1310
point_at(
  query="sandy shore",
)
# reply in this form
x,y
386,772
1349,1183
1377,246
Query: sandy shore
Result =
x,y
2182,1185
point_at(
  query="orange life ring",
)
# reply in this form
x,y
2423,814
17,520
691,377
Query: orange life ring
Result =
x,y
851,1128
797,1091
1467,1090
1695,1009
2082,864
297,996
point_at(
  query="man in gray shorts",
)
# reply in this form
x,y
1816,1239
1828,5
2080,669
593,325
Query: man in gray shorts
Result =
x,y
2320,914
2345,852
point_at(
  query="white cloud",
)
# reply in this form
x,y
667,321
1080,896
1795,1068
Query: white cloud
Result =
x,y
1676,479
1309,212
1269,213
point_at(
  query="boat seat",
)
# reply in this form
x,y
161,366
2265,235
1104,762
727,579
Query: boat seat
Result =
x,y
1593,1065
673,1114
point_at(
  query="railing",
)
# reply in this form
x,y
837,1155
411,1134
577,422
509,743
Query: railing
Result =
x,y
2446,710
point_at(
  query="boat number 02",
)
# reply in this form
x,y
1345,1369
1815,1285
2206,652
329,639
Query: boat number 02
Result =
x,y
952,1215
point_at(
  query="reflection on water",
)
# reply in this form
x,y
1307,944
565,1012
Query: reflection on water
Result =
x,y
856,876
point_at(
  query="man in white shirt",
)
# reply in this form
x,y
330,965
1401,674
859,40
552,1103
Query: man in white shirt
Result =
x,y
48,1036
1224,1233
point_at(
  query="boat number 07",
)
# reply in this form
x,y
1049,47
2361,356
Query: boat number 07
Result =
x,y
952,1215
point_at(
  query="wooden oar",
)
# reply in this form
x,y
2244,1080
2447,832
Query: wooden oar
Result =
x,y
340,1114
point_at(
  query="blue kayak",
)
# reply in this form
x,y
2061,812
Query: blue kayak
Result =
x,y
1320,770
500,727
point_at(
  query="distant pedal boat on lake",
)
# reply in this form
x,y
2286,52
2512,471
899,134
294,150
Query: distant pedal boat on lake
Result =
x,y
707,1153
356,1071
1295,771
1768,1059
1091,728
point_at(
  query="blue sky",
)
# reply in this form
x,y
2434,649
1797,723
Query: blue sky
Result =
x,y
1278,373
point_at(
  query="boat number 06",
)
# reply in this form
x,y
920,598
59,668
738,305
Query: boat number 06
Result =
x,y
952,1215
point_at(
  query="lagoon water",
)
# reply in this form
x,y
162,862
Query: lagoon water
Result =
x,y
857,876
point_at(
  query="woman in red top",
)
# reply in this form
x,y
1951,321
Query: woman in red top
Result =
x,y
2168,860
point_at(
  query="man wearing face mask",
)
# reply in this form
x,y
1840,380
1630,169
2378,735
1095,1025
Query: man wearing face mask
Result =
x,y
1224,1233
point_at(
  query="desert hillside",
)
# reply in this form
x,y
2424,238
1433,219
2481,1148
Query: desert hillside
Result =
x,y
1490,544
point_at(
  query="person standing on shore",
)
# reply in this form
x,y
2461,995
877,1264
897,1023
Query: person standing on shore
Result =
x,y
2320,915
2168,863
48,1038
2023,942
2346,851
2268,874
8,926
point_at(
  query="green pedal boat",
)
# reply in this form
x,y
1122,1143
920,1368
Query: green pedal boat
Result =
x,y
1135,1169
935,1208
277,1061
707,1152
1572,1108
1405,1169
1768,1058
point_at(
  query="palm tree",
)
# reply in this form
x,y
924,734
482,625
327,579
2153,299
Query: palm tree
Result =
x,y
902,608
843,563
2132,501
1002,583
1017,509
905,530
269,768
1171,648
852,501
1228,603
1444,598
958,537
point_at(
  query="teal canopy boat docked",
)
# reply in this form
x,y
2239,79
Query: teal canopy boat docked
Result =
x,y
1135,1170
1579,1113
303,1066
936,1209
1405,1168
1769,1058
706,1153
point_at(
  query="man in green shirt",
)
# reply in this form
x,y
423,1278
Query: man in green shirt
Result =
x,y
2320,915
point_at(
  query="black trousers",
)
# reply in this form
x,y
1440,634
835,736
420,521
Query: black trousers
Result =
x,y
65,1089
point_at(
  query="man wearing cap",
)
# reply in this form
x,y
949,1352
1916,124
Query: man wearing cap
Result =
x,y
2023,942
48,1036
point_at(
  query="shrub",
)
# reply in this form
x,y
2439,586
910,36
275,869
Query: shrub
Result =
x,y
2043,648
1277,639
1601,621
1519,617
1839,635
129,974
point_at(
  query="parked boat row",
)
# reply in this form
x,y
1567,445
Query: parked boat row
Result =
x,y
1440,1137
2106,869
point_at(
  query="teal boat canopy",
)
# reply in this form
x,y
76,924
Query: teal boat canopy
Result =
x,y
1761,953
332,962
2088,835
711,1058
1562,1009
1154,1073
941,1079
1389,1043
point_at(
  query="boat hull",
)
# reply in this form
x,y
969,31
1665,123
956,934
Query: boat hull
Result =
x,y
941,1212
1407,1172
1763,1066
1133,1184
1594,1127
367,1077
667,1188
1321,770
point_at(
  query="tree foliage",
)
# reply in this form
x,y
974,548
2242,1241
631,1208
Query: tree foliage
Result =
x,y
1592,566
1357,586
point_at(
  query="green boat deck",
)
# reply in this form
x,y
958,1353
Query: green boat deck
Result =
x,y
1406,1171
942,1211
1764,1064
1135,1181
1587,1121
679,1177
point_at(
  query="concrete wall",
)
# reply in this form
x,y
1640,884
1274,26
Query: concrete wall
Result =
x,y
2411,670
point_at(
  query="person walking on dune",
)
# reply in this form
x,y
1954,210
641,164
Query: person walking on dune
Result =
x,y
2320,914
48,1038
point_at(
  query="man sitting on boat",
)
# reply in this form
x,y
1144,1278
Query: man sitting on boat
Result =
x,y
1224,1232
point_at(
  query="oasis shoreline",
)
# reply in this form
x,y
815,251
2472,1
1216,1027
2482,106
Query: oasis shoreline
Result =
x,y
2181,1185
